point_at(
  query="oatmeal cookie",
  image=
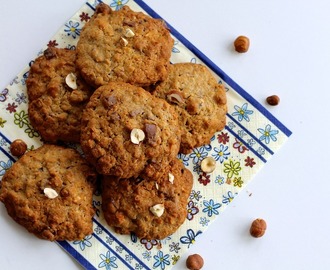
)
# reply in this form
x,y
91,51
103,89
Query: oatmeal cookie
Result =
x,y
127,132
199,100
55,108
150,209
124,46
49,191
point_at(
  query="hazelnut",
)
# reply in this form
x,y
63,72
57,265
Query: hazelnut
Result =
x,y
123,42
273,100
18,148
194,262
157,209
50,193
137,135
171,178
242,44
258,228
129,33
208,164
71,81
175,97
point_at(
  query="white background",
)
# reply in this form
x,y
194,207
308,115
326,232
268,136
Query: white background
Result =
x,y
289,56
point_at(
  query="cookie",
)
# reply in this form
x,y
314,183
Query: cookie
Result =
x,y
199,100
127,132
124,46
55,108
150,209
68,181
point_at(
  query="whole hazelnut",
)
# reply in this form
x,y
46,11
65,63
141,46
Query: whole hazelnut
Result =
x,y
242,44
273,100
258,228
194,262
18,148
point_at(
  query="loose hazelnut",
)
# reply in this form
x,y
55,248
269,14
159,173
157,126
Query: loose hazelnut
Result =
x,y
273,100
258,228
18,148
208,164
194,262
242,44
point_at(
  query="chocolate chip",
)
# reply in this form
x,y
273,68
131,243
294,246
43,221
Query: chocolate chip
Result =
x,y
151,131
109,101
129,23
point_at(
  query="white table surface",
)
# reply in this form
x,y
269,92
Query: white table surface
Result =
x,y
289,56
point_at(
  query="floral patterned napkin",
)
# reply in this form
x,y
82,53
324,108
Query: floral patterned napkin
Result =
x,y
251,137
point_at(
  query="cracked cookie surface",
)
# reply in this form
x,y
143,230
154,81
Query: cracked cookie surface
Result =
x,y
54,108
114,112
64,172
199,100
124,46
127,203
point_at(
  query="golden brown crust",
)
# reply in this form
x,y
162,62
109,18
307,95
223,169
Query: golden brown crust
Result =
x,y
126,203
199,100
113,111
66,217
104,56
54,108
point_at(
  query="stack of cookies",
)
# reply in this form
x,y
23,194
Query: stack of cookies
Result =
x,y
132,113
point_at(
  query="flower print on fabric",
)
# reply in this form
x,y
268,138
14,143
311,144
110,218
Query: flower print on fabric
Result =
x,y
175,259
52,43
211,207
240,146
223,137
84,243
175,49
21,98
84,17
249,162
3,95
242,112
161,260
198,154
184,159
221,153
238,182
5,166
118,4
107,261
11,107
147,255
204,221
190,238
195,195
268,134
232,168
228,198
204,178
241,133
191,210
72,29
2,122
175,247
219,180
148,244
